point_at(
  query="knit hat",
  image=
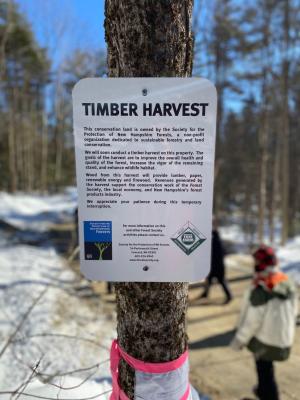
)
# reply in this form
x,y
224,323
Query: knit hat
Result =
x,y
264,257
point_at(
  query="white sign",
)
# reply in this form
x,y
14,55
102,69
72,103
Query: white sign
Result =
x,y
145,165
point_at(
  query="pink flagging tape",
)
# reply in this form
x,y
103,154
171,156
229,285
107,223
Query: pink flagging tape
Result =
x,y
116,353
186,394
153,368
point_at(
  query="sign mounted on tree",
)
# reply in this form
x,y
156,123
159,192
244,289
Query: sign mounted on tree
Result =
x,y
145,165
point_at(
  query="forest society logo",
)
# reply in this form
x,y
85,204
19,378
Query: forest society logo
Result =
x,y
98,240
188,238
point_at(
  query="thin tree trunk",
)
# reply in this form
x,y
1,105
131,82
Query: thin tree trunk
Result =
x,y
264,127
263,178
264,158
4,39
149,39
29,128
248,208
12,144
275,188
44,156
32,128
23,139
285,126
26,114
19,143
59,132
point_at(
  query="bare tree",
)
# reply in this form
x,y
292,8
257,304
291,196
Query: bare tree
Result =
x,y
264,131
285,122
275,195
44,152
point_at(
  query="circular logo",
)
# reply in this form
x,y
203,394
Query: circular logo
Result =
x,y
188,238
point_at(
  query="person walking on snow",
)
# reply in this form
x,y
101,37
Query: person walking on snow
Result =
x,y
217,270
267,320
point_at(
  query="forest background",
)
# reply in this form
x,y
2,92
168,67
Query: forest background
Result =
x,y
250,50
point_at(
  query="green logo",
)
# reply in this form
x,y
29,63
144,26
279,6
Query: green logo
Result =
x,y
188,238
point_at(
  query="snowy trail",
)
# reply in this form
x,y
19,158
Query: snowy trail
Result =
x,y
59,323
36,212
48,314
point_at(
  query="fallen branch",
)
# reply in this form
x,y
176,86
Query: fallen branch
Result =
x,y
64,336
75,371
24,385
55,398
73,254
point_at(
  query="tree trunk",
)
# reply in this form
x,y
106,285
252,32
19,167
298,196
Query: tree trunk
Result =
x,y
264,126
44,155
263,178
18,118
264,158
275,188
32,128
59,130
12,147
149,39
285,126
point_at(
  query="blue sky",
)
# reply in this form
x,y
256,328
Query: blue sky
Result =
x,y
64,25
82,20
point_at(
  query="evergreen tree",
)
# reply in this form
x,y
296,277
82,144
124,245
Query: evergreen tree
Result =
x,y
24,73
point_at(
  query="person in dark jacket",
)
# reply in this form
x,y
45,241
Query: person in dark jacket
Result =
x,y
217,270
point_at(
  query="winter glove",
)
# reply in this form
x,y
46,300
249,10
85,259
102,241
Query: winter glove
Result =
x,y
236,345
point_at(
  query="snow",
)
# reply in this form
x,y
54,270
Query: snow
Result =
x,y
61,321
37,212
232,233
68,388
288,255
289,258
48,312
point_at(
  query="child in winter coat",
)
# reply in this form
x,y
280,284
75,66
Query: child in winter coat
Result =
x,y
267,321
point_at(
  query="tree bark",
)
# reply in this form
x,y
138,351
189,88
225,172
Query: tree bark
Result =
x,y
44,152
59,129
149,39
276,187
12,145
285,125
264,157
264,125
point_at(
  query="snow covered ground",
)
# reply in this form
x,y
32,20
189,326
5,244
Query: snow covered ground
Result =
x,y
70,388
48,314
54,335
233,232
289,258
45,319
288,255
36,212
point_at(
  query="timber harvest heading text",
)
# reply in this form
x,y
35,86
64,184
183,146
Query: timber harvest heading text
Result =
x,y
148,109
